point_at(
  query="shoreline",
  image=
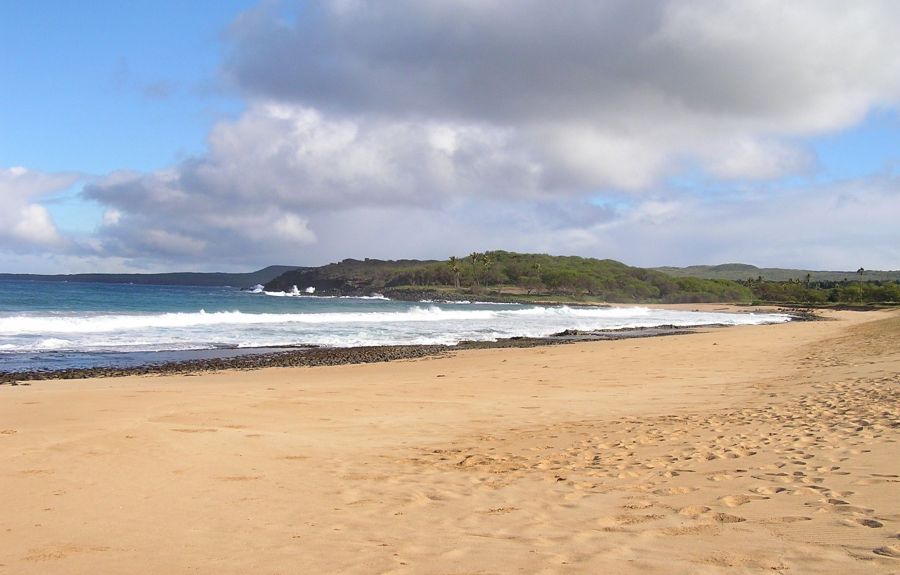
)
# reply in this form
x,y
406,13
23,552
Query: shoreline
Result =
x,y
312,356
753,449
308,355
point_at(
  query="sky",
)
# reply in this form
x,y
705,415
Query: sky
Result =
x,y
233,134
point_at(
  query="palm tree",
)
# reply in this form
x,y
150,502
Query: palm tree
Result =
x,y
454,267
486,264
474,257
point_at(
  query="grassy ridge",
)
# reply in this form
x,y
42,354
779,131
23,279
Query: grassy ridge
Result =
x,y
750,272
509,276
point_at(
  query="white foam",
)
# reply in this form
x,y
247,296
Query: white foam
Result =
x,y
307,295
467,302
374,296
416,324
52,344
35,324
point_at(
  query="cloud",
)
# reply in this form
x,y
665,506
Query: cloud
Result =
x,y
153,218
842,225
749,158
424,128
303,158
25,225
616,92
277,167
492,61
836,226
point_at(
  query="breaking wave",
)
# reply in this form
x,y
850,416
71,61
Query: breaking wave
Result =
x,y
420,324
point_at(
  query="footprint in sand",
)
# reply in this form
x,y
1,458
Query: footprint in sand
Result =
x,y
892,551
854,509
36,472
864,522
56,552
691,530
738,500
787,519
500,510
839,494
693,511
628,519
674,490
872,481
768,490
240,477
720,477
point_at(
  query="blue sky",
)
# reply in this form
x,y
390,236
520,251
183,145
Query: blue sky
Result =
x,y
872,147
232,134
109,85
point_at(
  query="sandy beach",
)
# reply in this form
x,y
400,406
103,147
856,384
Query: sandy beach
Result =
x,y
740,450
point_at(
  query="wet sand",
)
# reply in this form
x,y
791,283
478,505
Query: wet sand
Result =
x,y
740,450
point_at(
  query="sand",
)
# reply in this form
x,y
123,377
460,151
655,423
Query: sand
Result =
x,y
737,450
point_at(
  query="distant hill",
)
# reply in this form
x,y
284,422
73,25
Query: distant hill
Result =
x,y
506,276
747,271
240,280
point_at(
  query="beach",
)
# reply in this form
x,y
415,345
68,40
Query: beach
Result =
x,y
745,449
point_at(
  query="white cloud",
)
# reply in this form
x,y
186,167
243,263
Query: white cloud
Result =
x,y
835,226
614,93
274,170
294,229
33,225
755,159
25,225
839,226
417,129
170,243
111,217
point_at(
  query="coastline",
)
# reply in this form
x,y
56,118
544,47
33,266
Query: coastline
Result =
x,y
756,448
208,360
311,356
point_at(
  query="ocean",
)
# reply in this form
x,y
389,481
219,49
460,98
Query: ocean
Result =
x,y
60,325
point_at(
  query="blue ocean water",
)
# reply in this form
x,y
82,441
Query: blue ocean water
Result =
x,y
54,325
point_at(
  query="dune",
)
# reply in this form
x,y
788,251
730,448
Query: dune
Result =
x,y
742,450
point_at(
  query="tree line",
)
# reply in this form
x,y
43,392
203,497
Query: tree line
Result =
x,y
510,275
825,292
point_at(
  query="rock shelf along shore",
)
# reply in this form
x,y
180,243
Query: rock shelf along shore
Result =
x,y
319,356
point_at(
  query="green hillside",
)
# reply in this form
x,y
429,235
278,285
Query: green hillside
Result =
x,y
508,276
747,271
